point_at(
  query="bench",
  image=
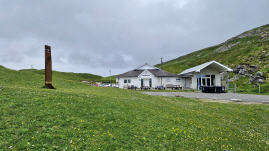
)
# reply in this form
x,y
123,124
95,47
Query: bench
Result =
x,y
173,87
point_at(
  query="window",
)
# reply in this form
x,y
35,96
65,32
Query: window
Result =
x,y
213,80
127,80
177,80
203,81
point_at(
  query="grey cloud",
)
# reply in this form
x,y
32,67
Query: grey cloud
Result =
x,y
97,35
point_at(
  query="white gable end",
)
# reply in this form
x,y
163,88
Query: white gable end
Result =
x,y
202,66
146,67
146,74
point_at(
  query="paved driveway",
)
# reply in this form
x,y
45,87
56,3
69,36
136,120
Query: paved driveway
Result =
x,y
215,96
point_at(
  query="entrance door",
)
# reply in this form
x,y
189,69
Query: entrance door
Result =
x,y
146,82
187,83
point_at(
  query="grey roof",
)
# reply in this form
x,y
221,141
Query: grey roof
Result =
x,y
155,72
161,73
133,73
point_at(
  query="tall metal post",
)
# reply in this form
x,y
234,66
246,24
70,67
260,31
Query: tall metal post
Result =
x,y
228,81
110,77
199,84
48,68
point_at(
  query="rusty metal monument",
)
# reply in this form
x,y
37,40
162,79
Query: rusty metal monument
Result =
x,y
48,68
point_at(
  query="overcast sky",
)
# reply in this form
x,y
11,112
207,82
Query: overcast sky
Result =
x,y
93,36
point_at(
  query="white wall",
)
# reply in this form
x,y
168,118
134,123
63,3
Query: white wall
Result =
x,y
156,81
170,80
134,81
192,82
206,71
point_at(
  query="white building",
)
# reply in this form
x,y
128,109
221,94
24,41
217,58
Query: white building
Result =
x,y
147,76
207,74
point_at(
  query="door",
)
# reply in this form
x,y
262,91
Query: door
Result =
x,y
208,83
146,82
187,83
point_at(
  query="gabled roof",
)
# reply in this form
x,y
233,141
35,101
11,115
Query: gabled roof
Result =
x,y
202,66
146,66
155,71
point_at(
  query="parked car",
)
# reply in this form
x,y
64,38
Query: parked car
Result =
x,y
105,85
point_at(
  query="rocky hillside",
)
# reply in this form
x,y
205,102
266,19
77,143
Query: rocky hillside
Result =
x,y
247,54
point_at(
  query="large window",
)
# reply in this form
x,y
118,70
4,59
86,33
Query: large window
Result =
x,y
206,80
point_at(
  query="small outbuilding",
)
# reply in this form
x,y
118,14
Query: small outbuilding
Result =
x,y
208,74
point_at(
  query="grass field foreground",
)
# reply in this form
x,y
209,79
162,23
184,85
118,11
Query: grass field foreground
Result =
x,y
79,117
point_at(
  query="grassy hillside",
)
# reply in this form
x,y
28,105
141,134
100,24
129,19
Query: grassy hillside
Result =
x,y
76,116
64,76
249,48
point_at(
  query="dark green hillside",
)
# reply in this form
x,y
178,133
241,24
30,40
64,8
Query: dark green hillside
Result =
x,y
248,48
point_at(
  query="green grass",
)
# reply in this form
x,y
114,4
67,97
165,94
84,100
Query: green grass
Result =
x,y
76,116
108,79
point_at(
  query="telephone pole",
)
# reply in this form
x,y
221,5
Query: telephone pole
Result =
x,y
161,60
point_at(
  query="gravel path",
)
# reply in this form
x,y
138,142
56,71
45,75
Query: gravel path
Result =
x,y
215,96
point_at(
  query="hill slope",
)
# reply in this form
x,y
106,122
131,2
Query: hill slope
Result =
x,y
76,116
35,78
250,48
